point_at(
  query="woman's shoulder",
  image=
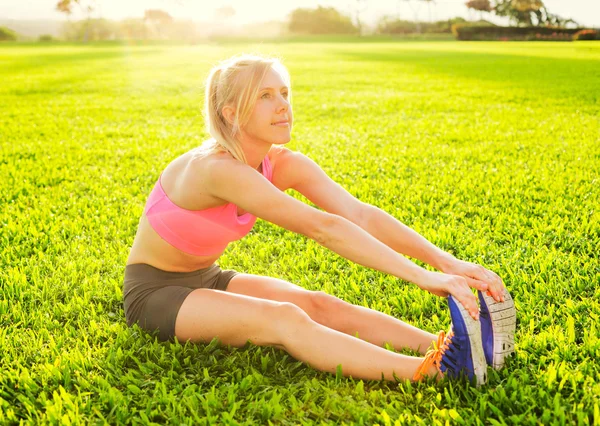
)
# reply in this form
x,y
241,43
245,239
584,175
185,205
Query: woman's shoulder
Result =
x,y
192,178
278,153
201,160
185,181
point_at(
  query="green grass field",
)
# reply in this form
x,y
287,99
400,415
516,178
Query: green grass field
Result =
x,y
489,150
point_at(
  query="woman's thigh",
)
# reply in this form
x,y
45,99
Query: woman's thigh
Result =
x,y
315,303
235,318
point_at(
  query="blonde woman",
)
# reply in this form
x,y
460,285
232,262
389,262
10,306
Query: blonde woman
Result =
x,y
212,195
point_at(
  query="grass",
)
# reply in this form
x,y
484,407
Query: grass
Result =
x,y
489,150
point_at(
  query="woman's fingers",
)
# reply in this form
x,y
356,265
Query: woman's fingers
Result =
x,y
495,290
498,285
495,285
477,284
462,292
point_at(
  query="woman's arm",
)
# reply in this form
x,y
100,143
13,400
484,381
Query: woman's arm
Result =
x,y
354,243
299,172
403,239
233,181
357,245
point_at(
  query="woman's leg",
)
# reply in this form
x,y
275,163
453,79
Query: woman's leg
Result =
x,y
370,325
234,319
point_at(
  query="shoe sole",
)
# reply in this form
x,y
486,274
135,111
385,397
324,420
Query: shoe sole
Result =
x,y
503,317
474,333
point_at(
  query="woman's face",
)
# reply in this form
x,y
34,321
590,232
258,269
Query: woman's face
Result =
x,y
271,119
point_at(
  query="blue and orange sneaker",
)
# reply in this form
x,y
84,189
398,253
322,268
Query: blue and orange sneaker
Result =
x,y
459,351
498,323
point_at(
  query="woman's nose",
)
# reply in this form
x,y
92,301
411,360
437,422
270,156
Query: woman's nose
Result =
x,y
284,104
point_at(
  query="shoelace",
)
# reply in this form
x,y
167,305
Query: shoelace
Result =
x,y
434,356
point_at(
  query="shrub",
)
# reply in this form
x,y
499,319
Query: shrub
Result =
x,y
470,32
6,34
396,27
46,37
389,25
587,34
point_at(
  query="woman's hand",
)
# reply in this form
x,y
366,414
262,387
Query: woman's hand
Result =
x,y
442,284
477,277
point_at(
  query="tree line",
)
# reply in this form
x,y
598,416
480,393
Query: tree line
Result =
x,y
158,24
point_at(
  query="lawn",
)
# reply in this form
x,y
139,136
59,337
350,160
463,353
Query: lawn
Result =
x,y
489,150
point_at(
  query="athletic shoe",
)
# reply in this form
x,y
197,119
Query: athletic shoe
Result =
x,y
498,323
459,351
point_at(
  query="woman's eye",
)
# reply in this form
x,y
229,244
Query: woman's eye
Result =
x,y
266,94
285,94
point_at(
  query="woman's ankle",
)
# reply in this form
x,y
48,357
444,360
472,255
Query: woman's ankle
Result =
x,y
434,372
431,371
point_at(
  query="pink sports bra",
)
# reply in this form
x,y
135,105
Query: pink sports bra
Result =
x,y
199,232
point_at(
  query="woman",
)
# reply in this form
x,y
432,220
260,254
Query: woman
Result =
x,y
212,195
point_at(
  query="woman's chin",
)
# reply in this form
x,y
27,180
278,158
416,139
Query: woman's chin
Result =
x,y
281,140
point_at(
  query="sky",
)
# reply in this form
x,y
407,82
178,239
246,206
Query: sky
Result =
x,y
585,12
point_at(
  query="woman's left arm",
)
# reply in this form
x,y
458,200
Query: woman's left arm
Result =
x,y
405,240
299,172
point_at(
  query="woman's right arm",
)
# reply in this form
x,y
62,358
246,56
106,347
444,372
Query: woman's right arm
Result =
x,y
240,184
352,242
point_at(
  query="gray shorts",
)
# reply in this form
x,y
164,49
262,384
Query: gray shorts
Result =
x,y
152,297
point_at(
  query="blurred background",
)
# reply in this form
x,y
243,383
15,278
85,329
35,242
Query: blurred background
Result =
x,y
196,20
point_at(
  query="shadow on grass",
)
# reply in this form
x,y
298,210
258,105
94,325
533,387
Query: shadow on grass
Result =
x,y
543,77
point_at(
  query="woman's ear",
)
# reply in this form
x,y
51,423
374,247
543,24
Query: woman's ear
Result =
x,y
229,114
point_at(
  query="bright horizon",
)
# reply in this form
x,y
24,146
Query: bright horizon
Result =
x,y
582,11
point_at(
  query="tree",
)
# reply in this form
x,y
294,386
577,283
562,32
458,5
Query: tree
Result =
x,y
92,29
527,5
157,16
322,20
429,8
224,13
6,34
529,12
361,6
86,6
133,28
480,5
157,20
415,6
66,6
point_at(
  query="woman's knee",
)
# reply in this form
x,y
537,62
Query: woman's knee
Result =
x,y
288,312
289,321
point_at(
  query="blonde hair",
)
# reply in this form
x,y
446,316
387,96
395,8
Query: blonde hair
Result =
x,y
236,82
